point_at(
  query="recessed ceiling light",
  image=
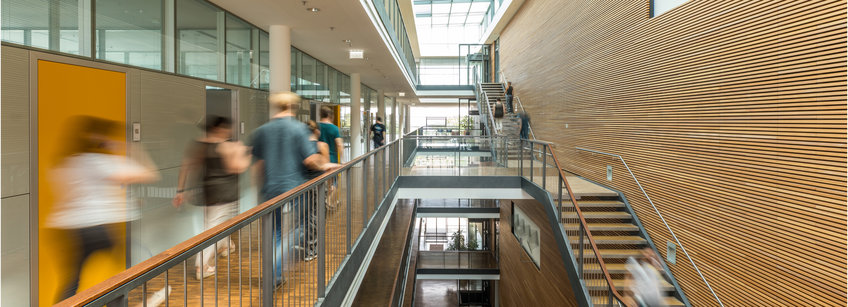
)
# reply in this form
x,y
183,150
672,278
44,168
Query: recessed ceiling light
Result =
x,y
401,94
357,54
313,9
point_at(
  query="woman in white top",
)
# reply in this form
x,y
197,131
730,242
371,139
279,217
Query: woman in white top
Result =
x,y
90,177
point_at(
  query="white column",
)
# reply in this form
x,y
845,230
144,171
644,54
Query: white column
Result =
x,y
393,125
381,105
407,118
355,116
280,58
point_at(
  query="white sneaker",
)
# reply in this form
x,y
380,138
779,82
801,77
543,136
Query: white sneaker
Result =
x,y
208,272
157,298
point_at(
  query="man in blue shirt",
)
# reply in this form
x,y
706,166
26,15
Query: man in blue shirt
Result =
x,y
283,152
378,133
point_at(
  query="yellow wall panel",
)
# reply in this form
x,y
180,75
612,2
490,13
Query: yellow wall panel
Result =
x,y
65,91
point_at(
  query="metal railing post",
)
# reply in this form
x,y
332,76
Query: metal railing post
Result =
x,y
521,158
545,167
267,280
364,192
580,249
532,148
559,196
349,193
322,223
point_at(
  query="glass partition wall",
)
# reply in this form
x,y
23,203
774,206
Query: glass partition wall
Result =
x,y
191,37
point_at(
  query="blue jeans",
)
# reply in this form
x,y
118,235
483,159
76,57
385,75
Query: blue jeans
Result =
x,y
288,235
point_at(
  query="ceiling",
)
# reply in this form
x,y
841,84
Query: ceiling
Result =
x,y
322,35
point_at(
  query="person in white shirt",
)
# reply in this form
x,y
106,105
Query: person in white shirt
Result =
x,y
90,179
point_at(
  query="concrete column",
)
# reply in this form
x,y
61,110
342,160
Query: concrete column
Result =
x,y
407,118
355,116
381,106
393,124
280,58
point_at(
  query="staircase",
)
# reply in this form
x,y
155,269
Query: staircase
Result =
x,y
509,125
618,237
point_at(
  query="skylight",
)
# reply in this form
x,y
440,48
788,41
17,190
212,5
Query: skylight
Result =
x,y
444,24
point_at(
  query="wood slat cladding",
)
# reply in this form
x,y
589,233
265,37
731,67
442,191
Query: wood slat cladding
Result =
x,y
522,283
731,114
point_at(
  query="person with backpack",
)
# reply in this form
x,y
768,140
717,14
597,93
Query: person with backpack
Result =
x,y
217,162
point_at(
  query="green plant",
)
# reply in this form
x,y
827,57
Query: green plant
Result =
x,y
457,241
472,239
466,123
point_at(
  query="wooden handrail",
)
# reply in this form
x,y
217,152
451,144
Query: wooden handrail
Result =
x,y
88,295
583,224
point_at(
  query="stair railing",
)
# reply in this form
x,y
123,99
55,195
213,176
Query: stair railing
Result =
x,y
490,123
656,234
591,268
519,104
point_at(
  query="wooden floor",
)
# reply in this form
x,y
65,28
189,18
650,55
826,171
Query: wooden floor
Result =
x,y
237,281
378,285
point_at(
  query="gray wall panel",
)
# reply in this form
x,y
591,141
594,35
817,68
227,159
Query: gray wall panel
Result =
x,y
15,121
14,252
161,226
253,111
171,107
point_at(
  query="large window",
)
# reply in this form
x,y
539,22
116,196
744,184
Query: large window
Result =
x,y
264,60
307,76
238,51
192,37
197,39
129,32
43,24
661,6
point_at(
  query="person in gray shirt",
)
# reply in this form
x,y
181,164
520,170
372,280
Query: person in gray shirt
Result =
x,y
283,153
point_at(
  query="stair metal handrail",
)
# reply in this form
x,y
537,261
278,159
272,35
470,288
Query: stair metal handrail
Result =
x,y
676,240
520,105
492,128
583,229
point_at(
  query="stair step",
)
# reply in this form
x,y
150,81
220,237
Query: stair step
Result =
x,y
612,240
612,268
620,284
597,204
599,215
603,226
602,301
611,253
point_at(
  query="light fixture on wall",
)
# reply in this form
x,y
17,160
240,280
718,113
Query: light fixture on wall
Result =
x,y
357,54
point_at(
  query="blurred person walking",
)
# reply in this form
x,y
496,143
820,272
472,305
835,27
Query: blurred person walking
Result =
x,y
91,174
216,161
378,133
283,153
645,280
331,136
312,222
525,124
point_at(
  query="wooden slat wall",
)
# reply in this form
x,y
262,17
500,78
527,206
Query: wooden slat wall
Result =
x,y
522,283
731,114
